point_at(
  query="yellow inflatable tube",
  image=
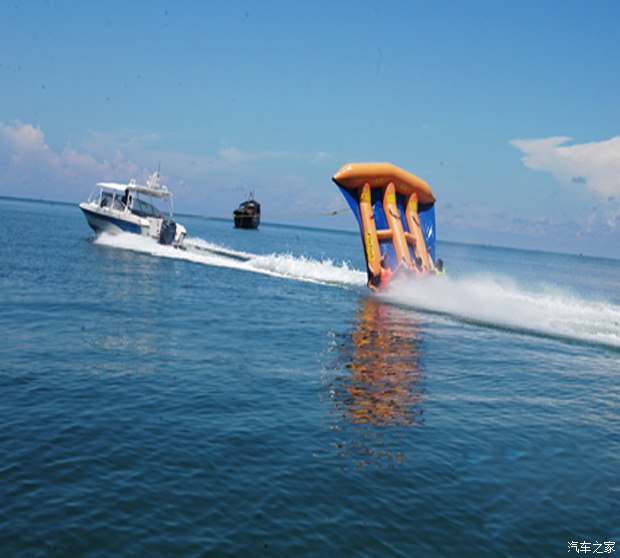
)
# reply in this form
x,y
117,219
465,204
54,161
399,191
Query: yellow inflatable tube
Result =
x,y
369,231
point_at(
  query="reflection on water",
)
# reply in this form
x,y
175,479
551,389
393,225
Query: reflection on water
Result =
x,y
374,383
126,307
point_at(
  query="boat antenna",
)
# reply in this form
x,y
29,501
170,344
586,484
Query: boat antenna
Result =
x,y
154,181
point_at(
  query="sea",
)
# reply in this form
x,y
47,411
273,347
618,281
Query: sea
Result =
x,y
250,397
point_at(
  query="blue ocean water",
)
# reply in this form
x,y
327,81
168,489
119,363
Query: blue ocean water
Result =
x,y
250,397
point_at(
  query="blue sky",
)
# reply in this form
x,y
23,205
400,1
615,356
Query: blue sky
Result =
x,y
510,110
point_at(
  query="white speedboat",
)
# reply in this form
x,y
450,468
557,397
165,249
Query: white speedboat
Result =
x,y
131,208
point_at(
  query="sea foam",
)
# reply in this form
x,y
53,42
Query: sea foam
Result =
x,y
483,299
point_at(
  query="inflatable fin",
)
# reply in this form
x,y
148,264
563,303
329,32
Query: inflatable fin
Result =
x,y
395,211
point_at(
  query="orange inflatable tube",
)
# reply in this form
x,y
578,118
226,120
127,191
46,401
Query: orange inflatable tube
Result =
x,y
417,237
395,212
393,218
354,175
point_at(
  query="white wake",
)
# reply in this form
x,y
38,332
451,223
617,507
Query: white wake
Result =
x,y
502,302
285,266
488,300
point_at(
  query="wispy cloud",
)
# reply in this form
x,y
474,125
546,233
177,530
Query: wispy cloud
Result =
x,y
592,231
594,165
30,167
24,137
211,182
236,156
126,143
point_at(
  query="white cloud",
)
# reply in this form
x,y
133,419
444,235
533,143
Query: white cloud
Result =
x,y
23,137
30,167
212,182
595,165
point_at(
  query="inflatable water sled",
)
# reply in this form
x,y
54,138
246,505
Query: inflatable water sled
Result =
x,y
395,211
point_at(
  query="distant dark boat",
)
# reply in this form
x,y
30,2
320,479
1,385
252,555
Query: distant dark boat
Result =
x,y
247,215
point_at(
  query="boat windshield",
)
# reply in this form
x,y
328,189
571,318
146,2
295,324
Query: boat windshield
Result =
x,y
145,209
107,199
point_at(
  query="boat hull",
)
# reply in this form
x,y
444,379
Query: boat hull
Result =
x,y
245,221
167,232
108,223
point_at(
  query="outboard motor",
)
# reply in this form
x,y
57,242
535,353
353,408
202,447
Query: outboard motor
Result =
x,y
167,232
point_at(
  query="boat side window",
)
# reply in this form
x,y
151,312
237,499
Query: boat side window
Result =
x,y
118,204
106,199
